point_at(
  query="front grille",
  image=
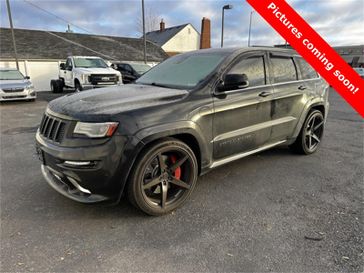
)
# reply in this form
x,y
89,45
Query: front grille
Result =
x,y
12,90
102,78
52,128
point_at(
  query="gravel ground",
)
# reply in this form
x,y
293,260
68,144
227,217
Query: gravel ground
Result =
x,y
274,211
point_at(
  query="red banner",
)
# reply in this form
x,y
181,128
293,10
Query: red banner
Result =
x,y
309,44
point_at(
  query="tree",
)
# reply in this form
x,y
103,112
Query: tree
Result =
x,y
151,21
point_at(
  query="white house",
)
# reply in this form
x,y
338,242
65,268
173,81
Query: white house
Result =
x,y
182,38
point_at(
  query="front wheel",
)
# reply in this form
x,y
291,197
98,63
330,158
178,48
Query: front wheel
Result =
x,y
163,177
311,134
78,87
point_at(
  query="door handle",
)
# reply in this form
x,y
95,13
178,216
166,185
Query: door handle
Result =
x,y
301,87
64,72
265,94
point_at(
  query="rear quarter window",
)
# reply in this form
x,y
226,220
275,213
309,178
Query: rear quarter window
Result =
x,y
284,69
307,72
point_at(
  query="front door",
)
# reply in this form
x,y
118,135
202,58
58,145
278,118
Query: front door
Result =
x,y
68,78
242,119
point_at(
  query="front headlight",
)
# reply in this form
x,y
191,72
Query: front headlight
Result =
x,y
29,87
96,130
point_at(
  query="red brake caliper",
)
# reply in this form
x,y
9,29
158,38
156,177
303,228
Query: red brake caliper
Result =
x,y
177,172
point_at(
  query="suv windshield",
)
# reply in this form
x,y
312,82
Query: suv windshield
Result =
x,y
90,62
183,71
11,75
140,68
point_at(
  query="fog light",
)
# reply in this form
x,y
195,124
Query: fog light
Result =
x,y
79,163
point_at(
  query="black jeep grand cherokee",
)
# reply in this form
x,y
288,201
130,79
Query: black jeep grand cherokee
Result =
x,y
189,114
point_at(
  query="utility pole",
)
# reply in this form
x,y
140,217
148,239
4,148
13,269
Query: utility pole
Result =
x,y
250,27
144,37
12,33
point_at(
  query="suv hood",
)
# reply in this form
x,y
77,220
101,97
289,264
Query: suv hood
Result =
x,y
114,100
106,70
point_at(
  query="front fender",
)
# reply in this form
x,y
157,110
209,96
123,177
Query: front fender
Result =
x,y
153,133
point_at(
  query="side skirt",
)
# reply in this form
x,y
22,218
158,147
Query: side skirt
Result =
x,y
241,155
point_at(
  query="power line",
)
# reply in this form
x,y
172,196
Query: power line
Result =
x,y
55,15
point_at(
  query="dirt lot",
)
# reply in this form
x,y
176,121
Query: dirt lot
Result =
x,y
275,211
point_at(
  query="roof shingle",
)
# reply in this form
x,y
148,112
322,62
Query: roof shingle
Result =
x,y
37,44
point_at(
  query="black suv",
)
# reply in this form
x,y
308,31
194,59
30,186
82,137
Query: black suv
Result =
x,y
186,116
131,71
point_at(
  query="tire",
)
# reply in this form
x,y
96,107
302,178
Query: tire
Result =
x,y
78,86
309,139
54,86
60,85
163,177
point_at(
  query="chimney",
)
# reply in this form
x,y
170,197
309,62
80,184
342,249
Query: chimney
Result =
x,y
205,39
162,26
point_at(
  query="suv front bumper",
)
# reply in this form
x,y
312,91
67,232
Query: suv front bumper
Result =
x,y
65,170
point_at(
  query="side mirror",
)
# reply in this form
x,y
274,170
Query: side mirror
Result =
x,y
234,82
62,66
27,77
69,68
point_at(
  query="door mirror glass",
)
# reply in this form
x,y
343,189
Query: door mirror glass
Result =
x,y
27,77
234,82
62,66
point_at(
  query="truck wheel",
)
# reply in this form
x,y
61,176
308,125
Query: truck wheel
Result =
x,y
163,177
54,86
60,85
78,87
309,139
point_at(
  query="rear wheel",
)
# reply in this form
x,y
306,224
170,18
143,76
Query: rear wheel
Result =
x,y
163,177
311,134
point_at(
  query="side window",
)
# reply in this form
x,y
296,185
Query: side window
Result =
x,y
68,63
253,67
307,71
284,69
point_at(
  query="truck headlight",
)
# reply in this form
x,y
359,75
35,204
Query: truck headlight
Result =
x,y
96,130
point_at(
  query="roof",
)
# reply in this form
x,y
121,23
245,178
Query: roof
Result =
x,y
161,37
37,44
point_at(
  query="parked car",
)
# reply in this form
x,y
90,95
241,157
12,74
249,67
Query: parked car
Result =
x,y
360,71
85,72
15,86
131,71
190,114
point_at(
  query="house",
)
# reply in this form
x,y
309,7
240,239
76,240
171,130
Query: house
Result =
x,y
182,38
41,52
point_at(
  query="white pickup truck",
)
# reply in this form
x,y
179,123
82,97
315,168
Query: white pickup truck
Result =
x,y
83,72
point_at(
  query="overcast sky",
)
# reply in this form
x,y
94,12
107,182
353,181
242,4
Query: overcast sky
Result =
x,y
340,22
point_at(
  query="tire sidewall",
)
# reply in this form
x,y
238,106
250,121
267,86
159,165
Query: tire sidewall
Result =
x,y
303,137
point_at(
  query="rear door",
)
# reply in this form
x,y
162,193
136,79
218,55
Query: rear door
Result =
x,y
289,95
242,117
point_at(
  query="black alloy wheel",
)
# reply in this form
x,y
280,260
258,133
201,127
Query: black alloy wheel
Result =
x,y
163,177
311,134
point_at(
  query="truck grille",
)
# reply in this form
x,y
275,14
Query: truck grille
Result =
x,y
52,128
103,78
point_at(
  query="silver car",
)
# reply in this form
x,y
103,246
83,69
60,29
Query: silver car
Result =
x,y
15,86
